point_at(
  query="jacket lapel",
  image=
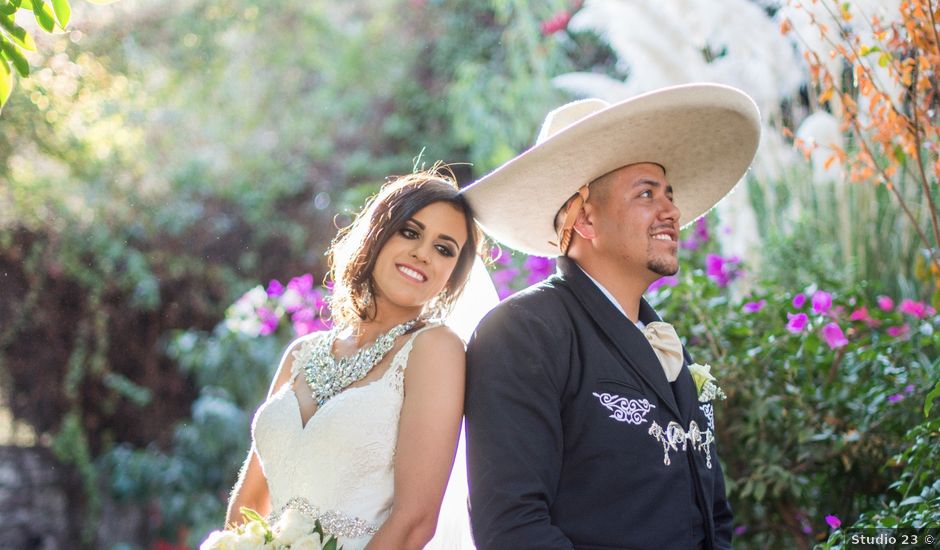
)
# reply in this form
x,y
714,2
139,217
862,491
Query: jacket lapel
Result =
x,y
626,338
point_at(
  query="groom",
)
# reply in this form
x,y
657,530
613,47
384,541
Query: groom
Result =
x,y
585,428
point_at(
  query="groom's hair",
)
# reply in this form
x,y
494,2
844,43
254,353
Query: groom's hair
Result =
x,y
353,253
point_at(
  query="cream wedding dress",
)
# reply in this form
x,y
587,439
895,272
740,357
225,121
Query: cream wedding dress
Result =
x,y
339,466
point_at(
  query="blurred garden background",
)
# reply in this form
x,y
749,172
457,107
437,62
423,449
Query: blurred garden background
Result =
x,y
171,172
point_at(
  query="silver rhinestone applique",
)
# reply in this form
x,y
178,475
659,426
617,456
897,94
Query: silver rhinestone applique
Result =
x,y
674,435
709,411
631,411
334,523
327,376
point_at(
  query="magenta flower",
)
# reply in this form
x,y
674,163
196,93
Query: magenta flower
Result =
x,y
833,335
503,291
797,322
740,530
539,268
754,307
799,301
556,23
860,314
669,280
306,321
701,230
499,256
885,303
916,309
909,389
721,270
833,521
502,277
269,320
899,331
895,398
822,301
275,288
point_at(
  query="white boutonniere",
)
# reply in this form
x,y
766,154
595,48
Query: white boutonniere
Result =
x,y
705,383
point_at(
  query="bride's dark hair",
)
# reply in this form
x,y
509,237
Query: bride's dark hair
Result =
x,y
352,254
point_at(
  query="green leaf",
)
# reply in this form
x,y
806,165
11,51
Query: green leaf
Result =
x,y
44,15
18,33
883,59
6,83
250,514
330,545
7,8
928,402
63,12
13,53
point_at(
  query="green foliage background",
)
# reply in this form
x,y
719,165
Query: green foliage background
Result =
x,y
164,156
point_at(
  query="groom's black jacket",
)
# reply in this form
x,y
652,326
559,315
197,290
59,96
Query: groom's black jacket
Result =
x,y
564,398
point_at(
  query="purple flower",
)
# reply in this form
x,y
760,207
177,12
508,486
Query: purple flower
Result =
x,y
797,322
909,389
860,314
503,291
539,268
799,301
502,277
834,336
895,398
885,303
669,280
833,521
822,301
689,244
754,307
701,230
498,256
720,269
269,320
275,288
740,530
899,331
306,321
916,309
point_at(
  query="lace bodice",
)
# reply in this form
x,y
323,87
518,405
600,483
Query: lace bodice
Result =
x,y
342,460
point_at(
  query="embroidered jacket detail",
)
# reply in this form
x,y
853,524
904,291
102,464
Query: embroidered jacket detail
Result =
x,y
674,436
709,411
631,411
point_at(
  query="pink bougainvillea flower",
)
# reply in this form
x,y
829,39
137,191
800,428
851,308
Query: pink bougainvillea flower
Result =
x,y
885,303
502,277
721,270
539,268
306,321
302,284
898,331
269,320
555,23
797,322
669,280
916,309
909,389
500,256
754,307
860,314
833,521
799,301
833,335
740,530
822,301
701,230
895,398
275,288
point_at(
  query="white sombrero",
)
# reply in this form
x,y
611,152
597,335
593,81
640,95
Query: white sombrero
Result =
x,y
704,135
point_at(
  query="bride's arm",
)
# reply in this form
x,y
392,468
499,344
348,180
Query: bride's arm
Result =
x,y
251,488
427,439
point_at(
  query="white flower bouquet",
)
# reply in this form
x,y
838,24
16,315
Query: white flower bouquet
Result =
x,y
293,531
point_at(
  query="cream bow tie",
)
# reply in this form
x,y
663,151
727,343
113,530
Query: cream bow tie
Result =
x,y
667,346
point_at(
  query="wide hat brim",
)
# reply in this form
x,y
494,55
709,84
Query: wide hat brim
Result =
x,y
704,135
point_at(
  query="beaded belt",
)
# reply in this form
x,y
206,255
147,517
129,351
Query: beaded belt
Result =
x,y
334,523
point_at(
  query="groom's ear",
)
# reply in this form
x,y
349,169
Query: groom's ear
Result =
x,y
583,224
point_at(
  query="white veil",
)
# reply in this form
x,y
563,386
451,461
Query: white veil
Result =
x,y
453,526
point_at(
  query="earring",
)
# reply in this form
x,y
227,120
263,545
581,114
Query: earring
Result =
x,y
365,295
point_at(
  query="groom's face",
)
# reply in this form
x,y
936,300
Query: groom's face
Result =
x,y
636,221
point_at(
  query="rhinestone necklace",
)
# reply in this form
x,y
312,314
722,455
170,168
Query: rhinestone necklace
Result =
x,y
327,377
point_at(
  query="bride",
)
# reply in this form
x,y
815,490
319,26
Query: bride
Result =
x,y
360,426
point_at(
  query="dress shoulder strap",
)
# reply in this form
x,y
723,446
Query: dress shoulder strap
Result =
x,y
302,355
